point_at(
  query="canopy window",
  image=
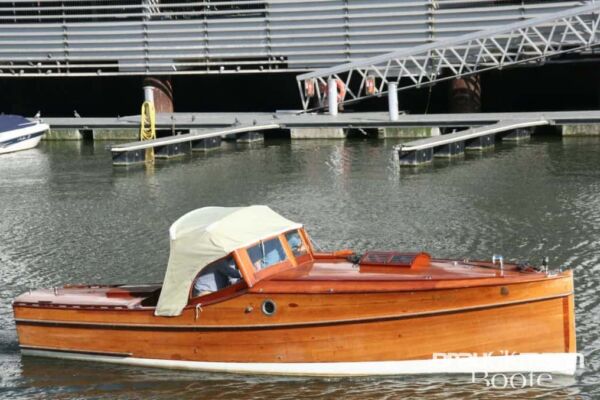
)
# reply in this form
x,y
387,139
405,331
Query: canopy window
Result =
x,y
267,253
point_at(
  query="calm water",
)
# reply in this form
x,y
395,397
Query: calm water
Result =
x,y
66,216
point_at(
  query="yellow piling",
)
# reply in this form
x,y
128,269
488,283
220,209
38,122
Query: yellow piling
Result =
x,y
148,128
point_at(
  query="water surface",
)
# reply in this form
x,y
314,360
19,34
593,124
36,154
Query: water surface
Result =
x,y
68,216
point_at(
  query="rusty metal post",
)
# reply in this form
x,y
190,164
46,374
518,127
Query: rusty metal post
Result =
x,y
161,92
465,94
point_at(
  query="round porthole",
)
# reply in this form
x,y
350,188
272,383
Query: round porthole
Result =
x,y
268,307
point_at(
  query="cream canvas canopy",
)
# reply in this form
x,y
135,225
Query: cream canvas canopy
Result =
x,y
206,235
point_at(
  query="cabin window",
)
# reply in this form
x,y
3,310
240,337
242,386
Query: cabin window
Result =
x,y
296,243
266,253
216,276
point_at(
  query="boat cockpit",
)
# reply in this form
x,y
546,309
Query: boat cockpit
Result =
x,y
244,267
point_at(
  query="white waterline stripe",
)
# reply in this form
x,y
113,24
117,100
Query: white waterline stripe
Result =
x,y
557,363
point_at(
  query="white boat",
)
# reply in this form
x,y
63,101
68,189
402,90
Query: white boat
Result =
x,y
19,133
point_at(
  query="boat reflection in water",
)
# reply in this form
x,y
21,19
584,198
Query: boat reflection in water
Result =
x,y
278,306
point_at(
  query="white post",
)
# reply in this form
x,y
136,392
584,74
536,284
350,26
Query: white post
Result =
x,y
332,96
149,94
393,100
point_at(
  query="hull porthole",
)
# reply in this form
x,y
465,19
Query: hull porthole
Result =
x,y
268,307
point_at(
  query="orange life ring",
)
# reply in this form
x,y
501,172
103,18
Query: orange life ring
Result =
x,y
309,87
370,85
341,89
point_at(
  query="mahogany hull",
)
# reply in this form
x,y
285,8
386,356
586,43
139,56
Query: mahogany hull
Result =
x,y
420,325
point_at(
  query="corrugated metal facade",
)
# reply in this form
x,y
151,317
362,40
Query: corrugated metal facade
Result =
x,y
153,37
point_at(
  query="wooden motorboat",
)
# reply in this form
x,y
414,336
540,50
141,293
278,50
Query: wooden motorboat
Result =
x,y
18,133
296,310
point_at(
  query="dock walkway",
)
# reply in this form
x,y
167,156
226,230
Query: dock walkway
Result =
x,y
206,129
178,145
295,119
453,144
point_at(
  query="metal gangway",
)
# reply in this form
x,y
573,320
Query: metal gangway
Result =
x,y
454,144
179,145
527,42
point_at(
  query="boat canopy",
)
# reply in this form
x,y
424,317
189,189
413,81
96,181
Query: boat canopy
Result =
x,y
12,122
205,235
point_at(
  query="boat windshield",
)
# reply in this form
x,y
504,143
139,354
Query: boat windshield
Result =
x,y
295,242
266,253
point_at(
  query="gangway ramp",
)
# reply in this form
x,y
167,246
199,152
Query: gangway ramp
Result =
x,y
423,151
524,42
179,145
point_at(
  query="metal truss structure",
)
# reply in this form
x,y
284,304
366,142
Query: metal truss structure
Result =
x,y
526,42
66,38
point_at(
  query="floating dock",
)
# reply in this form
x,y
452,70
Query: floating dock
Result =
x,y
203,131
454,144
179,145
297,119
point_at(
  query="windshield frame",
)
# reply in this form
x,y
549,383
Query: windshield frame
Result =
x,y
251,275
